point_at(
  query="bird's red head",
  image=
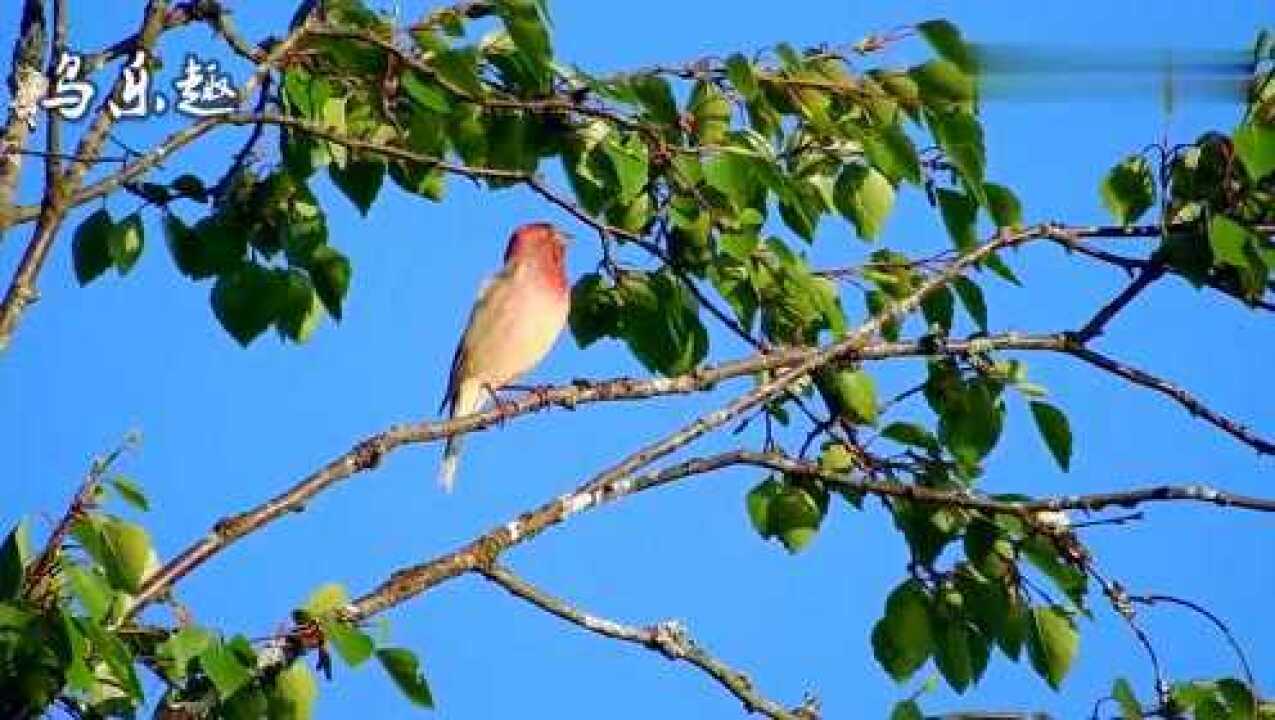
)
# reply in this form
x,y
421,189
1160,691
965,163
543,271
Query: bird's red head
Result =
x,y
539,243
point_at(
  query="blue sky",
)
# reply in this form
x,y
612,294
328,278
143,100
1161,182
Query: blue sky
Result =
x,y
225,427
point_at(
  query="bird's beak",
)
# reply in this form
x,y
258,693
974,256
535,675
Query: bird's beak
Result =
x,y
566,237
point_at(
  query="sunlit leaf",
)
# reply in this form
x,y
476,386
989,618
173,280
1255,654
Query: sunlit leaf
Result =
x,y
1052,642
865,197
1128,189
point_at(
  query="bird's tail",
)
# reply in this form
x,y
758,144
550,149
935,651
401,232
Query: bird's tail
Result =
x,y
468,398
451,458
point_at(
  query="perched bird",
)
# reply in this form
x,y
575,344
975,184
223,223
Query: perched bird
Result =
x,y
515,321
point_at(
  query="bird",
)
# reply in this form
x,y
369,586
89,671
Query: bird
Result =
x,y
515,321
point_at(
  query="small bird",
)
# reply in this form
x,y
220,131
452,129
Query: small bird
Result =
x,y
515,321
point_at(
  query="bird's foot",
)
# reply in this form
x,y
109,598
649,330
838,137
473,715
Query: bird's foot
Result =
x,y
500,402
540,391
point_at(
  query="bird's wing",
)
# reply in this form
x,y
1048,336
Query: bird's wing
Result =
x,y
458,359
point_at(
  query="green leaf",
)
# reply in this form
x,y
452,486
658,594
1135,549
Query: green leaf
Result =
x,y
740,73
960,213
593,310
526,23
901,640
628,155
998,266
710,110
1043,554
907,433
90,246
865,197
1130,708
291,696
183,646
971,296
326,598
795,517
404,670
250,703
939,308
299,306
14,555
1055,430
786,511
246,301
970,424
330,274
1128,190
224,666
352,644
1240,251
305,93
758,501
960,136
130,492
891,151
1255,146
210,248
946,40
91,589
988,549
1228,240
659,320
131,548
190,186
1238,698
853,394
734,176
1003,205
425,93
459,69
115,654
360,181
907,710
656,96
944,85
952,652
1052,641
124,243
1014,632
986,604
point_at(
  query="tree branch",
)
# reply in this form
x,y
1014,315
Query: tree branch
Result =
x,y
1183,398
368,453
1090,503
668,638
1092,329
61,197
27,83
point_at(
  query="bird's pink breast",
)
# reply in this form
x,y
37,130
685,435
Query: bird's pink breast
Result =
x,y
522,315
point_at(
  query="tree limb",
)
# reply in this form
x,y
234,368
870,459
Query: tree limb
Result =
x,y
669,638
1185,399
26,86
60,198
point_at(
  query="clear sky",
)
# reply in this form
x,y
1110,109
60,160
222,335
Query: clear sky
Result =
x,y
225,427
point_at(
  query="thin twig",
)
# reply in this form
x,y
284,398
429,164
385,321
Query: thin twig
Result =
x,y
1211,617
45,565
1106,313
